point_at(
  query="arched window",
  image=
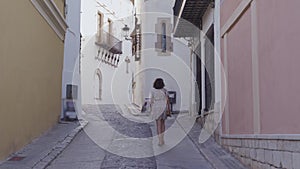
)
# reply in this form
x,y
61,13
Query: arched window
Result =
x,y
98,85
164,37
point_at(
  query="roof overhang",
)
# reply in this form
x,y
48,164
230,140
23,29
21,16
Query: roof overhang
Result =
x,y
189,16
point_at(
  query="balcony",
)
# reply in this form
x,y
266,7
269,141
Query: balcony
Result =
x,y
188,14
109,42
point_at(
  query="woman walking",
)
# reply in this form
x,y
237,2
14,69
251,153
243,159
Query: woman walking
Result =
x,y
159,107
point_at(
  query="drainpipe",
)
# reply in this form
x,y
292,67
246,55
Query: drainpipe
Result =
x,y
191,82
191,45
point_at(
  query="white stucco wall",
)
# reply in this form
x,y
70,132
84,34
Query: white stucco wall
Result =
x,y
72,49
114,80
174,68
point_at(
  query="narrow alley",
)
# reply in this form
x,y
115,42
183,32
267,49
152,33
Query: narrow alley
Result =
x,y
149,84
83,152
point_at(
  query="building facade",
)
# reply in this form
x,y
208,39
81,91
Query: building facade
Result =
x,y
105,54
71,84
259,51
158,55
254,84
32,50
198,22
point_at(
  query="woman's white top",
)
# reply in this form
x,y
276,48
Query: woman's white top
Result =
x,y
158,102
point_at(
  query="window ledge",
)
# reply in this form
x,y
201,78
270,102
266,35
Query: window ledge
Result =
x,y
52,15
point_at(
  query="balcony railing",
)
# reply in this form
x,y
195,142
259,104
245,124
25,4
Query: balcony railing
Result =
x,y
109,42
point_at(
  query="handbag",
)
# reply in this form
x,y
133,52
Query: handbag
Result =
x,y
168,109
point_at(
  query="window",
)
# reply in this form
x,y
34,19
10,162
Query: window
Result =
x,y
109,35
65,9
163,44
109,26
164,38
100,24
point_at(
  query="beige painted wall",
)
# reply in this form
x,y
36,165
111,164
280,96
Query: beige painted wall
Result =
x,y
60,5
31,59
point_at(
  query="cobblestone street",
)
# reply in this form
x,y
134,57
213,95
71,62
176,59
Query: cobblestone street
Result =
x,y
86,151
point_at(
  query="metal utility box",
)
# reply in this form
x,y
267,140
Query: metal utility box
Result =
x,y
69,109
172,98
69,103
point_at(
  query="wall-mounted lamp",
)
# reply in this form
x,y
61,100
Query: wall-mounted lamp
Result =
x,y
125,30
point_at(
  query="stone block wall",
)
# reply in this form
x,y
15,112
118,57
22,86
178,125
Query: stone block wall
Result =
x,y
270,152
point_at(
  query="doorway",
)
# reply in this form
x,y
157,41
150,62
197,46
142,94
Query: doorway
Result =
x,y
98,85
209,70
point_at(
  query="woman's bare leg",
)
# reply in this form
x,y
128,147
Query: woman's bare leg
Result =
x,y
157,127
163,127
159,131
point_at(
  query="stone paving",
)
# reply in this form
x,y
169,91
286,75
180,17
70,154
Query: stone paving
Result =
x,y
129,128
101,158
88,151
117,139
217,156
41,151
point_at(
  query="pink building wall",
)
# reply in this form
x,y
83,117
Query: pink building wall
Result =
x,y
278,62
227,8
239,77
278,30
